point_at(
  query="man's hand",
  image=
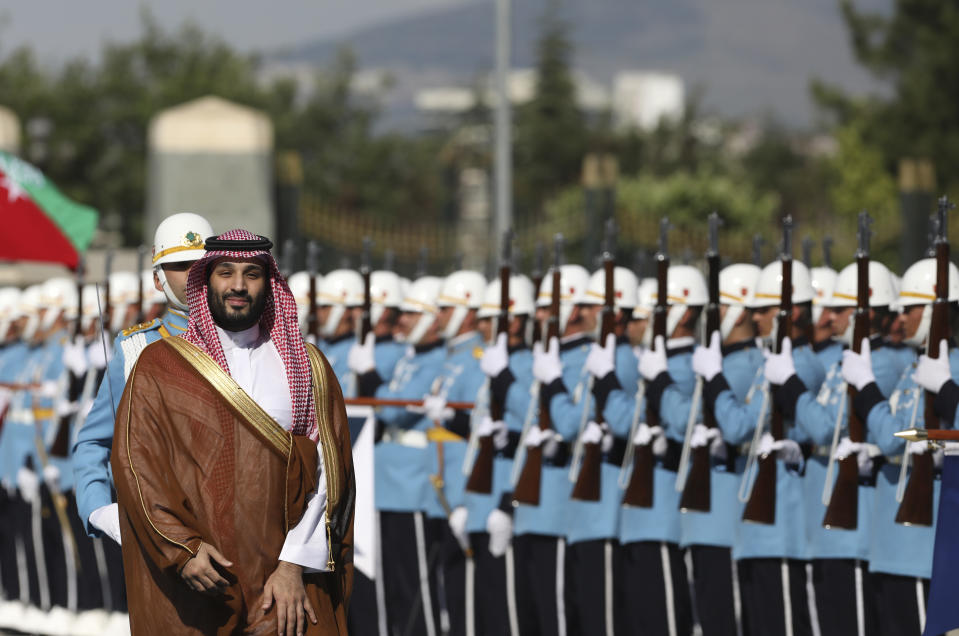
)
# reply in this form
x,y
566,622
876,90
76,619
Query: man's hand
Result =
x,y
653,361
932,373
106,519
708,361
601,360
780,366
495,357
199,573
857,367
361,357
285,587
546,363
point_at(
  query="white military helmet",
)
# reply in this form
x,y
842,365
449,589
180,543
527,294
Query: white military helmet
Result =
x,y
737,283
895,306
520,298
386,290
646,293
151,295
30,304
299,284
179,237
9,309
573,281
124,291
421,299
462,290
59,296
341,288
769,287
685,287
823,281
91,309
919,288
625,287
847,287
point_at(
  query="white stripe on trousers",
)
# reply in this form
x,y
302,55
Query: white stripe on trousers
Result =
x,y
36,522
103,573
608,586
426,600
921,604
378,584
668,582
511,592
737,598
787,597
470,608
811,602
561,587
860,602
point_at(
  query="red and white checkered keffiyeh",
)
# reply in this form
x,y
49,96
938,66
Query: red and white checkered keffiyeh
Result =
x,y
279,319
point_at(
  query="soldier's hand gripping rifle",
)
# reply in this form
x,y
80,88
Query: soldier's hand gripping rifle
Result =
x,y
761,507
527,486
639,491
312,268
589,480
481,477
917,499
843,509
698,484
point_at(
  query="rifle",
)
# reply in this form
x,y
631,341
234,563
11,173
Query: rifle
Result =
x,y
807,245
758,241
639,491
421,264
106,318
365,325
843,508
312,265
589,481
528,485
761,507
141,256
536,275
61,443
916,506
481,477
287,258
697,491
827,251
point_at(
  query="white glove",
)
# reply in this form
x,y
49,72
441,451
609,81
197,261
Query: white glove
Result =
x,y
847,448
435,409
653,361
596,433
601,361
51,476
548,439
360,358
95,353
932,373
106,519
28,484
495,429
75,356
645,434
704,436
546,364
49,389
500,528
917,448
786,449
65,408
708,361
495,357
857,367
457,523
779,366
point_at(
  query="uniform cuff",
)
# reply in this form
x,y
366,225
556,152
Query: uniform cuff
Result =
x,y
713,388
788,394
654,390
553,389
500,385
368,382
869,397
506,503
460,424
604,386
946,402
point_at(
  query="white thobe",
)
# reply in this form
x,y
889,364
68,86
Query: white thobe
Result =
x,y
256,366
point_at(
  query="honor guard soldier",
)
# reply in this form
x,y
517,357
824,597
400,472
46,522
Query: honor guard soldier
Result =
x,y
403,464
900,552
299,284
771,556
177,244
829,350
838,554
340,293
508,366
153,304
539,544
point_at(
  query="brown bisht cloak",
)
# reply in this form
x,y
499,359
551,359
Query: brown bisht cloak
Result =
x,y
196,459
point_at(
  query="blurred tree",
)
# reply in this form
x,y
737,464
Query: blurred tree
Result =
x,y
912,50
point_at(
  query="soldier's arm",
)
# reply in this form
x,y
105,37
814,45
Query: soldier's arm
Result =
x,y
566,415
737,419
882,422
91,451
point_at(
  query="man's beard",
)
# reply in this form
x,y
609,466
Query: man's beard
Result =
x,y
236,319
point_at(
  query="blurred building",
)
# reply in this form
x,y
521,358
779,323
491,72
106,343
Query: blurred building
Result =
x,y
642,99
9,131
214,158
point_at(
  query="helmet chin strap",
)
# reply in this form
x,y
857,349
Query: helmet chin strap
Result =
x,y
846,336
919,338
455,322
168,291
419,330
733,312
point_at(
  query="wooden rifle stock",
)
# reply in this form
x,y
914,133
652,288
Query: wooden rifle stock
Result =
x,y
481,477
366,325
527,488
697,492
312,324
589,485
639,490
917,500
761,507
843,509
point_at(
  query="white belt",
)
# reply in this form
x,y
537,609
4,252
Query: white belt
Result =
x,y
396,435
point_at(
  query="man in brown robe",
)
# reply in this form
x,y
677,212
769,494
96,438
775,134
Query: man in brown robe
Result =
x,y
233,466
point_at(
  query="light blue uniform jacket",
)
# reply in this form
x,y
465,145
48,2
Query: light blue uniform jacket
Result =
x,y
337,352
17,441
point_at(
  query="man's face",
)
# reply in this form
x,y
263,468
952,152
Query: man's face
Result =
x,y
840,319
635,330
910,319
237,293
764,318
443,317
406,322
176,277
485,328
589,315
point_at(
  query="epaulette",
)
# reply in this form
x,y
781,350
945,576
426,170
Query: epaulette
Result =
x,y
478,352
143,326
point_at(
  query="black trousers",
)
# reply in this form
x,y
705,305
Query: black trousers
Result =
x,y
118,588
23,542
364,616
844,591
9,568
897,603
490,592
409,609
713,575
592,581
90,579
448,576
765,598
650,568
539,562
